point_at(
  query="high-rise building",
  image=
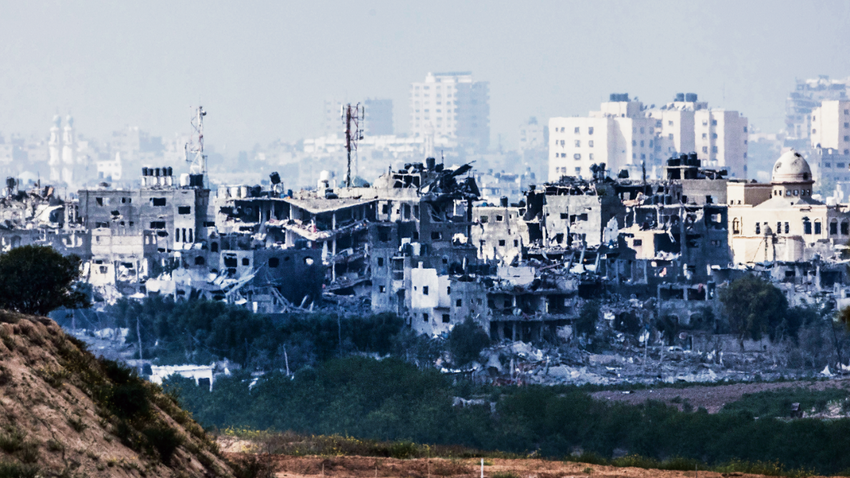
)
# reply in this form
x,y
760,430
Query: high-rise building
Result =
x,y
379,117
531,135
807,96
331,120
830,141
451,105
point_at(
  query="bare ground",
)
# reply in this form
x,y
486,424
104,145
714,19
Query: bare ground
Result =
x,y
712,397
368,467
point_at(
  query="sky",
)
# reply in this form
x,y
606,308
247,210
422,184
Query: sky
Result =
x,y
262,69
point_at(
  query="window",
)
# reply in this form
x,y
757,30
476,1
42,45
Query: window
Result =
x,y
669,123
736,226
425,290
833,228
590,156
577,130
847,138
158,225
274,262
590,131
425,317
577,156
159,202
199,260
246,261
516,242
380,262
714,149
670,136
845,228
817,227
758,228
446,318
638,242
713,122
382,289
99,201
436,235
214,247
590,143
184,210
501,242
578,143
642,131
787,228
578,171
484,219
807,226
839,165
713,135
459,302
499,218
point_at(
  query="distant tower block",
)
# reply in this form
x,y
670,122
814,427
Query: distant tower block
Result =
x,y
68,149
55,159
68,141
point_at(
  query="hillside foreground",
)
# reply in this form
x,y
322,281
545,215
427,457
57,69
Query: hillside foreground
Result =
x,y
64,412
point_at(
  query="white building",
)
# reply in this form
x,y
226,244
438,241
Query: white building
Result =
x,y
627,136
451,105
618,135
830,143
531,135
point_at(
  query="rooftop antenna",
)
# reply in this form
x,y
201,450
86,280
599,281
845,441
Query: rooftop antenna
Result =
x,y
442,158
351,117
194,149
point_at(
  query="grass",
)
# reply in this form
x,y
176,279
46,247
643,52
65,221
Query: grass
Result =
x,y
778,403
294,444
15,470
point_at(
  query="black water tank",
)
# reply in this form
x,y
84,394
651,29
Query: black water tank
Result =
x,y
169,171
144,171
692,97
680,97
196,180
156,172
274,177
504,201
430,163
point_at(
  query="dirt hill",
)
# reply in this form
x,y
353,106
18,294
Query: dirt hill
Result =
x,y
64,412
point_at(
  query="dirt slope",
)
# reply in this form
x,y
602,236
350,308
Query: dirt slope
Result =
x,y
62,411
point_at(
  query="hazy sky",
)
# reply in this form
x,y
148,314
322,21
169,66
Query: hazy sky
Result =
x,y
263,69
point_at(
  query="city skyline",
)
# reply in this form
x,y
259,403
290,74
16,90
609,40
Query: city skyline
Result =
x,y
112,66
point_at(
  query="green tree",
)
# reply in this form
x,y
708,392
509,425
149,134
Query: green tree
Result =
x,y
37,279
466,341
753,306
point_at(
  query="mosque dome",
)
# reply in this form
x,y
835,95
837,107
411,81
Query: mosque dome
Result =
x,y
791,167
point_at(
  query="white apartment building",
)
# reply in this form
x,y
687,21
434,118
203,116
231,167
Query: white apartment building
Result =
x,y
831,126
830,142
635,138
618,135
451,105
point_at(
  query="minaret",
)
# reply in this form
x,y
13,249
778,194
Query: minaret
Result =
x,y
55,160
69,144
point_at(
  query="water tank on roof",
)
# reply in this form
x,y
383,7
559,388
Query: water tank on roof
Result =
x,y
430,163
692,97
184,180
680,97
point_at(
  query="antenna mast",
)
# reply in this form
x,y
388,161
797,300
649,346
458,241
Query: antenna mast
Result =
x,y
194,149
352,116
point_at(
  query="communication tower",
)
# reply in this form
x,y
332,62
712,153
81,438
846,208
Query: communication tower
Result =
x,y
194,149
352,117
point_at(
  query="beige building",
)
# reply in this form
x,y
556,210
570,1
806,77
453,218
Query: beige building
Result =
x,y
781,221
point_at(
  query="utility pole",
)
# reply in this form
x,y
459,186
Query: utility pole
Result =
x,y
352,116
139,336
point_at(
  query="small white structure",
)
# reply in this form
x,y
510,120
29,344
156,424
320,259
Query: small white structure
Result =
x,y
195,372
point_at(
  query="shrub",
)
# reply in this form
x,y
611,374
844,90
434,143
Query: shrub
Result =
x,y
165,440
